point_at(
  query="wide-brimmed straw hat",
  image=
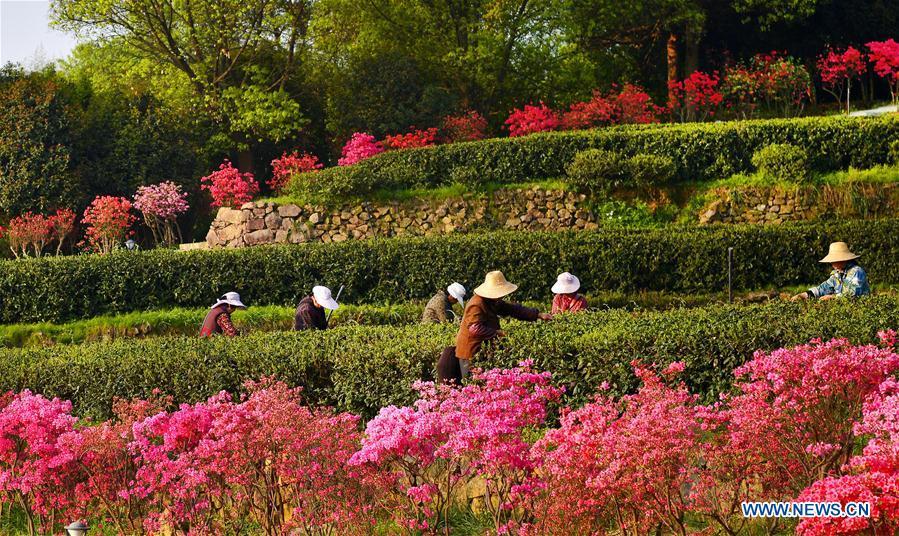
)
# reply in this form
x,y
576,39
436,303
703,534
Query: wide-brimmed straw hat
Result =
x,y
231,298
839,252
323,297
495,286
566,284
456,290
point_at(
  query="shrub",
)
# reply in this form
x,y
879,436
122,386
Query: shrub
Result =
x,y
470,126
783,161
289,165
364,368
636,106
62,224
838,69
229,187
161,204
697,97
28,234
672,259
415,138
832,143
885,55
646,170
468,177
531,119
359,147
596,170
108,220
599,111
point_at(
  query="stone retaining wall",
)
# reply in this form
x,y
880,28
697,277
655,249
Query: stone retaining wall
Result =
x,y
778,205
529,209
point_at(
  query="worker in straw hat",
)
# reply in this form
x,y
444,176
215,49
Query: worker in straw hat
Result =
x,y
480,322
440,307
310,313
567,299
847,279
218,319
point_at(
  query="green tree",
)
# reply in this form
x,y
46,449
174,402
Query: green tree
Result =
x,y
238,56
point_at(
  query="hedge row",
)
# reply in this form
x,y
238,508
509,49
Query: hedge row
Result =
x,y
361,369
700,151
390,270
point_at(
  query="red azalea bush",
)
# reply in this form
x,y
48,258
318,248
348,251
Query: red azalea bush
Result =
x,y
453,435
415,138
470,126
774,80
108,220
531,119
28,234
636,106
289,165
358,148
838,69
229,187
62,224
599,111
885,55
696,98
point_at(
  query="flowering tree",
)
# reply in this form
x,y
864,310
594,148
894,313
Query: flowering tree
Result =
x,y
415,138
229,187
161,204
470,126
696,98
36,467
108,220
28,234
885,55
359,147
838,69
611,463
62,224
452,435
597,112
289,165
531,119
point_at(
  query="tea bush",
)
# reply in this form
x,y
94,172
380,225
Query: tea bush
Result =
x,y
783,161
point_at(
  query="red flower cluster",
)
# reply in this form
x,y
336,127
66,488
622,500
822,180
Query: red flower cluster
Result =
x,y
838,69
415,138
229,187
107,220
531,119
885,55
599,111
289,165
30,233
470,126
358,148
697,97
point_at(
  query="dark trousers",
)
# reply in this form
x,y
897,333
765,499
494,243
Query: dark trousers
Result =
x,y
448,370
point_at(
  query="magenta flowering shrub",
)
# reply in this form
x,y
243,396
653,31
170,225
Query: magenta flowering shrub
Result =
x,y
161,204
229,187
452,436
288,165
359,147
621,462
531,119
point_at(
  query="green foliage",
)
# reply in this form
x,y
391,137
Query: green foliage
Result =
x,y
597,171
697,150
783,161
894,152
361,369
389,270
647,170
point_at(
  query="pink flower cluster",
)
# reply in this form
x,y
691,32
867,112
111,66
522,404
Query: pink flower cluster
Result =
x,y
531,119
165,200
229,187
29,233
885,56
108,220
289,165
359,147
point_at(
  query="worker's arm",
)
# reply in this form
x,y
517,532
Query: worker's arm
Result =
x,y
516,310
854,283
224,322
826,288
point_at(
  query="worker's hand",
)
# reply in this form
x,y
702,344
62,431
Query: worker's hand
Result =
x,y
545,316
500,334
828,297
799,297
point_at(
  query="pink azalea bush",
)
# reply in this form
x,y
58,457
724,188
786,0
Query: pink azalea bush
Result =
x,y
359,147
531,119
451,436
838,69
415,138
28,233
107,221
470,126
229,187
161,204
885,56
288,165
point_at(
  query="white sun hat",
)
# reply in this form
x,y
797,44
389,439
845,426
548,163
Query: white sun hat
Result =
x,y
839,252
324,298
456,290
231,298
566,284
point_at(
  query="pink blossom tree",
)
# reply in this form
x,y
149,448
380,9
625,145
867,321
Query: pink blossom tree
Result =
x,y
838,69
531,119
108,221
359,147
62,225
229,187
885,55
161,204
696,98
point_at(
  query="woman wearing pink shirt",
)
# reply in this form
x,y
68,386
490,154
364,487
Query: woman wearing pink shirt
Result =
x,y
566,299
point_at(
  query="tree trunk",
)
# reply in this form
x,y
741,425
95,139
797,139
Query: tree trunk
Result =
x,y
672,66
245,161
691,59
